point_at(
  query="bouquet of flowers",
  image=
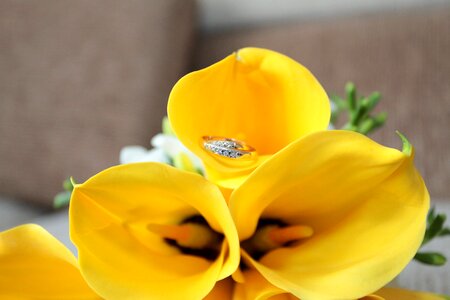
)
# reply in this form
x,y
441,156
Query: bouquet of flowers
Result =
x,y
252,197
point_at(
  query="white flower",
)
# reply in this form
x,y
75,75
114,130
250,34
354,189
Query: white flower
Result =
x,y
173,147
134,154
166,149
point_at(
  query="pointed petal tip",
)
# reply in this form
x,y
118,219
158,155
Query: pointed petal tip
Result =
x,y
407,148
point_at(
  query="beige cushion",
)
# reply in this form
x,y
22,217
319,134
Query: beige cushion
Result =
x,y
404,55
79,80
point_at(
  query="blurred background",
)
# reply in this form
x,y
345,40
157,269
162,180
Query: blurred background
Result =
x,y
80,79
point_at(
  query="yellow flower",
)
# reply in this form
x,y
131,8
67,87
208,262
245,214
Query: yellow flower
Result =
x,y
260,289
256,96
150,231
315,215
401,294
332,216
34,265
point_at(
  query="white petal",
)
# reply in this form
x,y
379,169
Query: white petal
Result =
x,y
170,144
129,154
172,147
134,154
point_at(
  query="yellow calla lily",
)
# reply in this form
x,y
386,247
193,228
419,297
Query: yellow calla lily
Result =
x,y
35,265
150,231
257,287
255,96
332,216
402,294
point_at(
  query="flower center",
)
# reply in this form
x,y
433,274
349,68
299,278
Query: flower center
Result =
x,y
271,234
193,236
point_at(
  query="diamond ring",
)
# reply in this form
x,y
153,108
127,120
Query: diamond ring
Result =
x,y
228,148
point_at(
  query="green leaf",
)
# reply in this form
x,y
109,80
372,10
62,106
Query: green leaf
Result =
x,y
380,118
166,128
366,126
431,215
431,258
360,114
350,89
444,232
62,199
67,185
72,180
434,228
372,100
340,103
350,127
359,110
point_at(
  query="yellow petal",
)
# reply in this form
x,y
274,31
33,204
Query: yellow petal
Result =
x,y
366,204
402,294
111,216
35,265
223,290
255,95
373,297
256,287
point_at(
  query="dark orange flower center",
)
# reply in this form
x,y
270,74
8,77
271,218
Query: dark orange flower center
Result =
x,y
271,234
192,236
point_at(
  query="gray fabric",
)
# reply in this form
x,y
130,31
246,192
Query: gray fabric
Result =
x,y
81,79
13,212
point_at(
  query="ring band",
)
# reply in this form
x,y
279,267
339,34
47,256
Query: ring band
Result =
x,y
228,148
